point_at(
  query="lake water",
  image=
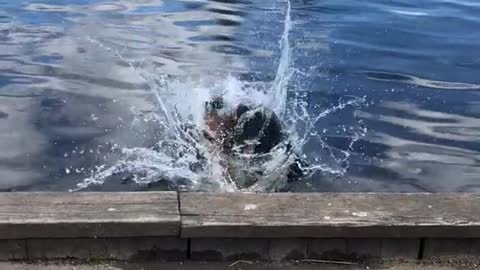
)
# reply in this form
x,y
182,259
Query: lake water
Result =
x,y
384,93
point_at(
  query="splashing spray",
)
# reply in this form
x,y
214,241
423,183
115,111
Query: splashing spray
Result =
x,y
282,77
184,158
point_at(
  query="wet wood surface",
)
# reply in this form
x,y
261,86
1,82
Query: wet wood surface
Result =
x,y
328,215
88,214
233,215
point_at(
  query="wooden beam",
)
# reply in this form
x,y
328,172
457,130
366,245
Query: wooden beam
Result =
x,y
88,214
330,215
233,215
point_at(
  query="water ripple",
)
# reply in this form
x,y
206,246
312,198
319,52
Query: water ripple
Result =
x,y
409,79
76,80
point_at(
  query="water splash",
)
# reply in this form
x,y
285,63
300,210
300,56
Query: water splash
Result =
x,y
187,161
304,124
282,77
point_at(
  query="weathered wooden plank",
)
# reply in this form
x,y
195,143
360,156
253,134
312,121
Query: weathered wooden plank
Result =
x,y
328,249
364,248
133,249
329,215
400,248
435,248
225,249
288,249
67,198
13,250
70,215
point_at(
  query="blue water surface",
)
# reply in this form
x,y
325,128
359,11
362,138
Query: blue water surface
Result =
x,y
70,95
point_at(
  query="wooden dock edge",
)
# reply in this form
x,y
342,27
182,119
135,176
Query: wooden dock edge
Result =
x,y
170,226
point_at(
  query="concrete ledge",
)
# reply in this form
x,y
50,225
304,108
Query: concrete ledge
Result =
x,y
219,227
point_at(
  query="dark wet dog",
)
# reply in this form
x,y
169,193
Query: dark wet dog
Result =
x,y
253,132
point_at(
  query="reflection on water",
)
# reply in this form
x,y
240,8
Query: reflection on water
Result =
x,y
403,78
432,150
392,85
